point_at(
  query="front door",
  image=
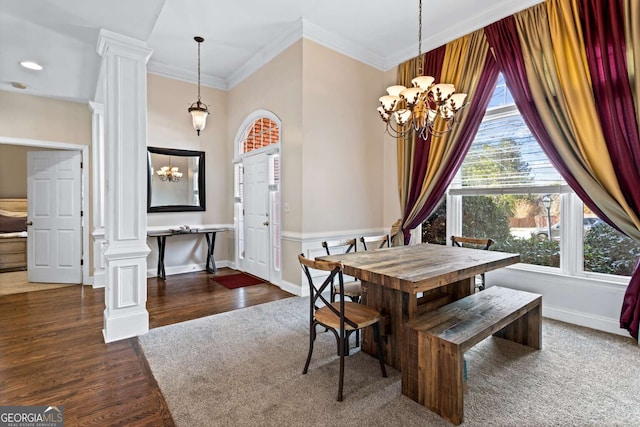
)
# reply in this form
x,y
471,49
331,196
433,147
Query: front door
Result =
x,y
256,216
54,242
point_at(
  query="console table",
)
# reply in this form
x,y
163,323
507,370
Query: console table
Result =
x,y
161,237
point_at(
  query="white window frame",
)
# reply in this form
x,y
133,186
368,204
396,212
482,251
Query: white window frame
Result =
x,y
571,208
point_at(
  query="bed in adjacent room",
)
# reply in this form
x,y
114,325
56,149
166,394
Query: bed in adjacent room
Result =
x,y
13,234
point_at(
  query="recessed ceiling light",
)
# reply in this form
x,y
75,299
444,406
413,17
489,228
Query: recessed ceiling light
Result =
x,y
18,85
31,65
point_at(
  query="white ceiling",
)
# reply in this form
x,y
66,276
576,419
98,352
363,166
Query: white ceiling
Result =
x,y
240,36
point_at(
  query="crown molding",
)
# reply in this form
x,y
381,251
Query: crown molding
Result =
x,y
462,27
269,52
126,45
320,35
302,28
184,75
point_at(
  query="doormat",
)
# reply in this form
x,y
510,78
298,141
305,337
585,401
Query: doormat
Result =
x,y
239,280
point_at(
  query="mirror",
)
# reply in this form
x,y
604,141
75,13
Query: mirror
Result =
x,y
175,180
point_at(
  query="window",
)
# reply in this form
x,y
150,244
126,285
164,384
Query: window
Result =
x,y
262,133
498,193
606,250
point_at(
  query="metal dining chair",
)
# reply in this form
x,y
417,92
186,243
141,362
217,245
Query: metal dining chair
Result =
x,y
485,244
340,317
352,289
375,242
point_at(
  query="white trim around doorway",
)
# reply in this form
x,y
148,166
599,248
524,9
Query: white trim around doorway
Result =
x,y
55,145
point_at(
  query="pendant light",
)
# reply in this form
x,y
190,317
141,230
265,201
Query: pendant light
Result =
x,y
198,110
420,107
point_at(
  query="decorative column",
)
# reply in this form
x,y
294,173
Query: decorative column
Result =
x,y
124,72
98,190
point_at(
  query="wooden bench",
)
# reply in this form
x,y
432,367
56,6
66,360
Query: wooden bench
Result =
x,y
435,342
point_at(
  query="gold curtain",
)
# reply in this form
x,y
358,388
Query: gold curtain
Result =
x,y
463,63
551,40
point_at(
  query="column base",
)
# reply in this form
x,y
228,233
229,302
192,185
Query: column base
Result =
x,y
125,326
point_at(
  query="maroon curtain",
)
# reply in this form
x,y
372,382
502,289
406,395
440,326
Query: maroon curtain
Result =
x,y
605,48
503,38
606,55
476,110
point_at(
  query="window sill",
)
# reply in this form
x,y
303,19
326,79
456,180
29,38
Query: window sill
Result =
x,y
590,278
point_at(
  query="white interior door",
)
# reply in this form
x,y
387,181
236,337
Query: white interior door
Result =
x,y
256,216
54,242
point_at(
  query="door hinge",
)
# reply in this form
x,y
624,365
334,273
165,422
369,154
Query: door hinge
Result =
x,y
81,164
81,213
81,261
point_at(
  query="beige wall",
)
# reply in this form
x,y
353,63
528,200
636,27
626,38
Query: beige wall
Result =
x,y
277,87
169,126
35,117
333,167
391,210
343,143
13,171
45,119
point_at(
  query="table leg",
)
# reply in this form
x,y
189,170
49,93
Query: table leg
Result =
x,y
162,241
397,308
211,245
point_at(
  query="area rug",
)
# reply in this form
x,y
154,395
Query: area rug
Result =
x,y
239,280
244,368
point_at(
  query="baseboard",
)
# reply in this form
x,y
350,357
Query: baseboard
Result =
x,y
584,319
122,326
187,268
292,288
98,279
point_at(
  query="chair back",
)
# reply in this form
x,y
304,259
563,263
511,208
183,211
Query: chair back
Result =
x,y
375,242
335,247
316,290
460,241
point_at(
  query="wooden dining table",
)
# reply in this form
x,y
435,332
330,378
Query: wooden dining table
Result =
x,y
404,282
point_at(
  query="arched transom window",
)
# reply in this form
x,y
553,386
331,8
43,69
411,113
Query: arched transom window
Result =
x,y
262,133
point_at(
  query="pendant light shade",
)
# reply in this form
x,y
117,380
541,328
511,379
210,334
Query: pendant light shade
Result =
x,y
199,113
198,109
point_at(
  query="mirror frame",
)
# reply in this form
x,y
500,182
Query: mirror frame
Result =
x,y
201,180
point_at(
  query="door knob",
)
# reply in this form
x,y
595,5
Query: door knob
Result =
x,y
29,223
265,223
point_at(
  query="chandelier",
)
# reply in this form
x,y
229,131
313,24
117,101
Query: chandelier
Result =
x,y
198,110
169,173
422,106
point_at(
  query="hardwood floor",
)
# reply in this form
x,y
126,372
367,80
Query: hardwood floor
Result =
x,y
52,351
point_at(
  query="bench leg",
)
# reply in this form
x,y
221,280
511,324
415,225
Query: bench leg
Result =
x,y
441,374
525,330
432,374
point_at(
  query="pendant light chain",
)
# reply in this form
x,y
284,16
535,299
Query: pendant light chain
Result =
x,y
198,72
420,69
198,110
